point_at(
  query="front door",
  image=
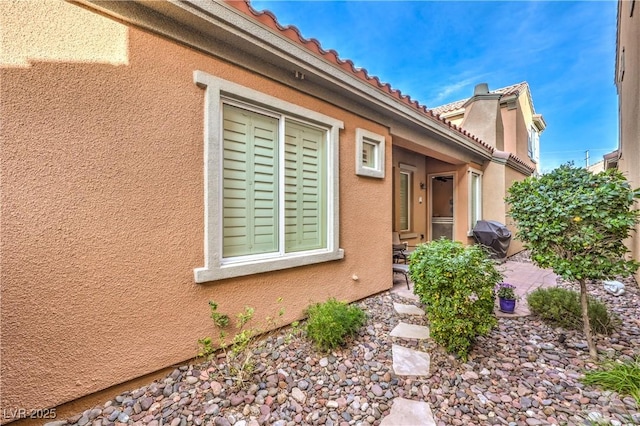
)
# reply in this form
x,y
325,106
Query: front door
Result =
x,y
441,190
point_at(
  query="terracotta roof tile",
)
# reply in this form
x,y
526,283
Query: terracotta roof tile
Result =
x,y
268,19
520,161
514,89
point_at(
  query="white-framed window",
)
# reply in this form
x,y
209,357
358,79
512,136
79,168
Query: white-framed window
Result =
x,y
475,198
271,183
404,197
370,149
533,145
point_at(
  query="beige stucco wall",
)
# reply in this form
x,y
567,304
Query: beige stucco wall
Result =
x,y
509,121
47,30
497,179
629,105
483,119
494,189
102,217
516,245
524,120
517,120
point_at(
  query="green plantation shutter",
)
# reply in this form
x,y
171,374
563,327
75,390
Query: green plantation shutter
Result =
x,y
250,183
404,201
304,188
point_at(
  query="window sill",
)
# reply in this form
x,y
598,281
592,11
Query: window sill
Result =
x,y
408,235
239,269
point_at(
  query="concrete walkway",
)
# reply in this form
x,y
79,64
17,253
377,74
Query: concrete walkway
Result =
x,y
525,276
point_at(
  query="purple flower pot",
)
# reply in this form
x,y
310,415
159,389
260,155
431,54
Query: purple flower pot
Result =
x,y
507,305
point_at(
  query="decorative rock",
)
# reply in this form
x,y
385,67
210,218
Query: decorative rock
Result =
x,y
298,395
377,390
470,375
331,404
518,374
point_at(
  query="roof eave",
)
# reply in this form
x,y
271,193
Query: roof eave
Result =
x,y
215,19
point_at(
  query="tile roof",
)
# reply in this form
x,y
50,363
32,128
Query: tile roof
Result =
x,y
514,89
268,19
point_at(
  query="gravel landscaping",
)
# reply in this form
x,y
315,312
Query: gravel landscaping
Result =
x,y
523,373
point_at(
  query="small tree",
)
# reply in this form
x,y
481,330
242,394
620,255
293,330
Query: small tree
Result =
x,y
574,222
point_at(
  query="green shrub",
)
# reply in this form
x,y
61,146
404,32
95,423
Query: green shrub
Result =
x,y
456,284
623,378
562,307
331,322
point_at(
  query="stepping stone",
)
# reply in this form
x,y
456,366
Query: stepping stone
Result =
x,y
407,309
407,412
403,292
410,331
409,362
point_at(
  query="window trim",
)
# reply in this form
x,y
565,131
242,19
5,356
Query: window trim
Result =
x,y
470,173
534,143
364,136
408,170
214,268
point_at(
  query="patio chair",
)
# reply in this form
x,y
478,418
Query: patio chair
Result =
x,y
399,249
402,268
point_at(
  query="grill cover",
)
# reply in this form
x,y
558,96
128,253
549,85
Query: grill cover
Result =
x,y
493,235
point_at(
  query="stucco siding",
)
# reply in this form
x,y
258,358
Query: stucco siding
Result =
x,y
102,219
524,120
516,245
629,103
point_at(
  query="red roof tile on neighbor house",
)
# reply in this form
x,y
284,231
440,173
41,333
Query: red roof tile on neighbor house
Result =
x,y
268,19
514,89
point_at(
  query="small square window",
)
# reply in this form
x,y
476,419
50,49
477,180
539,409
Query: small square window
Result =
x,y
369,154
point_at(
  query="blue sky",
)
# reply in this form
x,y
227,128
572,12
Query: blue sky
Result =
x,y
436,52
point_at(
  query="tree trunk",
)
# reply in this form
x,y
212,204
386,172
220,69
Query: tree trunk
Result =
x,y
593,352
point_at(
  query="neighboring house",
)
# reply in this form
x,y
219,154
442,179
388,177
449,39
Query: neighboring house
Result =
x,y
517,127
609,161
627,80
505,119
158,155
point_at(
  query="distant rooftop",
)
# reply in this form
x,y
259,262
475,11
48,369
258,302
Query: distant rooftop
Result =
x,y
514,89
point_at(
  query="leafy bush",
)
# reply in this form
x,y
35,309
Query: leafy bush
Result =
x,y
623,378
562,307
331,322
456,283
